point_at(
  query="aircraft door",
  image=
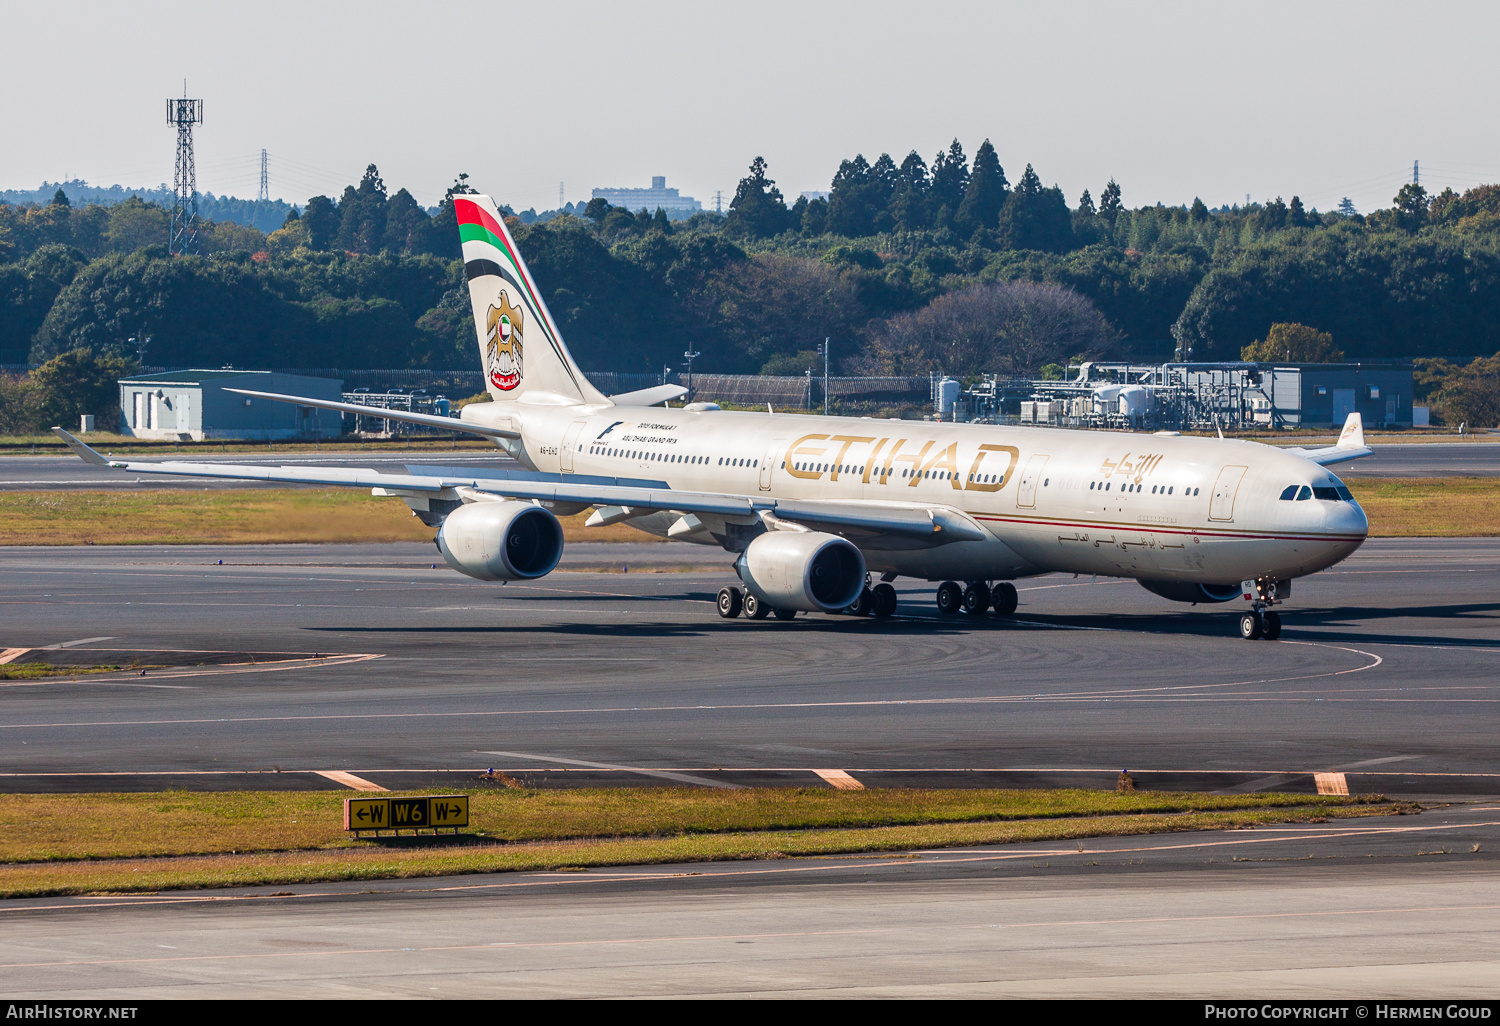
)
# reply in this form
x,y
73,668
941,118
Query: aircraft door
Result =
x,y
1026,490
767,462
1221,507
570,440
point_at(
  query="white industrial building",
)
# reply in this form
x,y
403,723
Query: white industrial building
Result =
x,y
678,208
191,405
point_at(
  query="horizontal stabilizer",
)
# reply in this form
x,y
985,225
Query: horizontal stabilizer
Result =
x,y
426,419
648,396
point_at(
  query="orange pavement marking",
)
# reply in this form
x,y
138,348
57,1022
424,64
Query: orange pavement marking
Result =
x,y
350,780
840,779
1331,783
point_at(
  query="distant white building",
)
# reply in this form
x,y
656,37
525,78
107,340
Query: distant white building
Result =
x,y
678,208
192,404
813,194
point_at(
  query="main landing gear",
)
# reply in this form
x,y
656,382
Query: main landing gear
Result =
x,y
1263,622
879,602
976,598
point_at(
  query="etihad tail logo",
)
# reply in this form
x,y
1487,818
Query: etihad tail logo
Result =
x,y
502,351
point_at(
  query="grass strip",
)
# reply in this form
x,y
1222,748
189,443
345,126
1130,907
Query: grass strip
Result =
x,y
61,827
41,671
230,517
384,861
1429,507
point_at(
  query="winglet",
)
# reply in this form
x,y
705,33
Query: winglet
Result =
x,y
1353,436
83,452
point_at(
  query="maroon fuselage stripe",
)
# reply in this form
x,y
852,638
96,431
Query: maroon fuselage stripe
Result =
x,y
1208,532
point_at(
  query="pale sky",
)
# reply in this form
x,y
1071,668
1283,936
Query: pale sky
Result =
x,y
1173,100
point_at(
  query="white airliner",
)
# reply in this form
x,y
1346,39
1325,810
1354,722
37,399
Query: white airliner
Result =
x,y
813,509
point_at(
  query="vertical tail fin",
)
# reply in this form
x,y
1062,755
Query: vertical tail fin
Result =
x,y
520,348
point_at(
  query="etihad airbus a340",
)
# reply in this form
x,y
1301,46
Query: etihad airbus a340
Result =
x,y
815,509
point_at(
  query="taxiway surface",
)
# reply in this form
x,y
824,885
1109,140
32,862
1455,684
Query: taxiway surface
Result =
x,y
414,675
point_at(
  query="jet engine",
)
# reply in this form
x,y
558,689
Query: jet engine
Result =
x,y
501,541
1188,591
806,570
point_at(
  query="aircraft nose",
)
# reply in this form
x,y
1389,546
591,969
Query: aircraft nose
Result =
x,y
1346,519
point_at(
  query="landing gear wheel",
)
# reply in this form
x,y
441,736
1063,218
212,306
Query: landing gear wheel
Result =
x,y
977,598
785,614
1272,629
864,605
755,609
731,601
1251,627
882,601
950,598
1003,595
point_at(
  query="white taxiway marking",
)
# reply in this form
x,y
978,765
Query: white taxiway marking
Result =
x,y
685,778
72,644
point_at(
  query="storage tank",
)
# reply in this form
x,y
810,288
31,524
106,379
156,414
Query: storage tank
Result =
x,y
1134,403
945,393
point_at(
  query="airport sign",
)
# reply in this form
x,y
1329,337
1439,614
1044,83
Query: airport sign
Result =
x,y
442,812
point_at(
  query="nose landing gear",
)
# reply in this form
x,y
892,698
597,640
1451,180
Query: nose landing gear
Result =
x,y
1263,622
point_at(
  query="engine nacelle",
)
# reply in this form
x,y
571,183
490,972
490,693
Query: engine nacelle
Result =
x,y
806,570
1189,591
501,541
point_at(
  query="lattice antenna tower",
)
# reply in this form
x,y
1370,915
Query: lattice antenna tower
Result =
x,y
184,113
265,180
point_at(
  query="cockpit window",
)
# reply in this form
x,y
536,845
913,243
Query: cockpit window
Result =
x,y
1344,493
1327,494
1304,493
1288,493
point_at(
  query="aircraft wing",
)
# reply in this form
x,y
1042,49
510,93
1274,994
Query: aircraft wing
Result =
x,y
1350,446
930,524
427,419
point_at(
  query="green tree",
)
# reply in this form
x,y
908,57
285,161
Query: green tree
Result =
x,y
950,180
1296,343
1035,217
909,205
80,382
853,199
757,208
362,214
1109,201
1411,206
986,192
1471,394
1198,213
322,222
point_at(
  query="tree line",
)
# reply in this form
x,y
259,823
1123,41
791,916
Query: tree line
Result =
x,y
912,266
